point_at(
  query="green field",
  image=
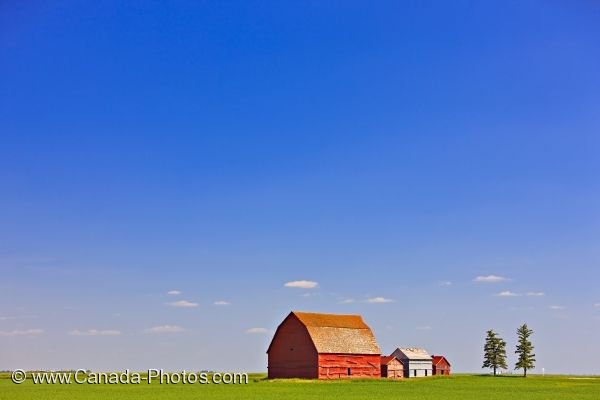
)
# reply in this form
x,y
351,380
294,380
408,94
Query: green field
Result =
x,y
463,387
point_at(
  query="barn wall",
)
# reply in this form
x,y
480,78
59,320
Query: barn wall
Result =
x,y
292,353
335,366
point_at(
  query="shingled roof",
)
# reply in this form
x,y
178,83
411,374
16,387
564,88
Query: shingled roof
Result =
x,y
342,334
331,320
412,353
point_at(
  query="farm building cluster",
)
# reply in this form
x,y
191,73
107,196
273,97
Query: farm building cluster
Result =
x,y
333,346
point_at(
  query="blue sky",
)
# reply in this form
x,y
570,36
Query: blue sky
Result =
x,y
392,153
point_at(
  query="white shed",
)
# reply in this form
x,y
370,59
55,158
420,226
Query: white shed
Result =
x,y
417,362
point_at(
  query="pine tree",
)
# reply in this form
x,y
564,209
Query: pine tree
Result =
x,y
494,352
525,350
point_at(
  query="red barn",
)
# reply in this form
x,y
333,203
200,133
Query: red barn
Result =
x,y
391,368
441,366
323,346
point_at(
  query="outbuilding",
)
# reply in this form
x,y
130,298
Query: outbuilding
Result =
x,y
441,365
391,368
416,361
323,346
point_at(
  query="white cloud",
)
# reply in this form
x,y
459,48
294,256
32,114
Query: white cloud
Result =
x,y
165,329
221,303
257,330
445,283
597,305
173,292
508,293
424,328
536,294
94,332
346,301
17,332
490,279
183,304
379,300
11,318
556,308
302,284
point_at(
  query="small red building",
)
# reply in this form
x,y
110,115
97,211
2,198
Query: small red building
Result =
x,y
441,366
391,368
323,346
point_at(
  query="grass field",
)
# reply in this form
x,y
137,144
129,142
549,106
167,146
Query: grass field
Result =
x,y
463,387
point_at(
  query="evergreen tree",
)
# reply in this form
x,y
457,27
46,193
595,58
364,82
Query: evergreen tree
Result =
x,y
525,350
494,352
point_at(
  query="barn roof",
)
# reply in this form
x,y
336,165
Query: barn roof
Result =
x,y
412,353
439,359
331,320
336,333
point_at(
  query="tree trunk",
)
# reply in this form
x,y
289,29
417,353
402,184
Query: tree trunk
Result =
x,y
525,372
494,371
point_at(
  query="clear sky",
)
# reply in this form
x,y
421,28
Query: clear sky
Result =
x,y
389,152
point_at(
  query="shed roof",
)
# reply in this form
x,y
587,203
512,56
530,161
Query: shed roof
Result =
x,y
439,359
337,333
412,353
385,360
